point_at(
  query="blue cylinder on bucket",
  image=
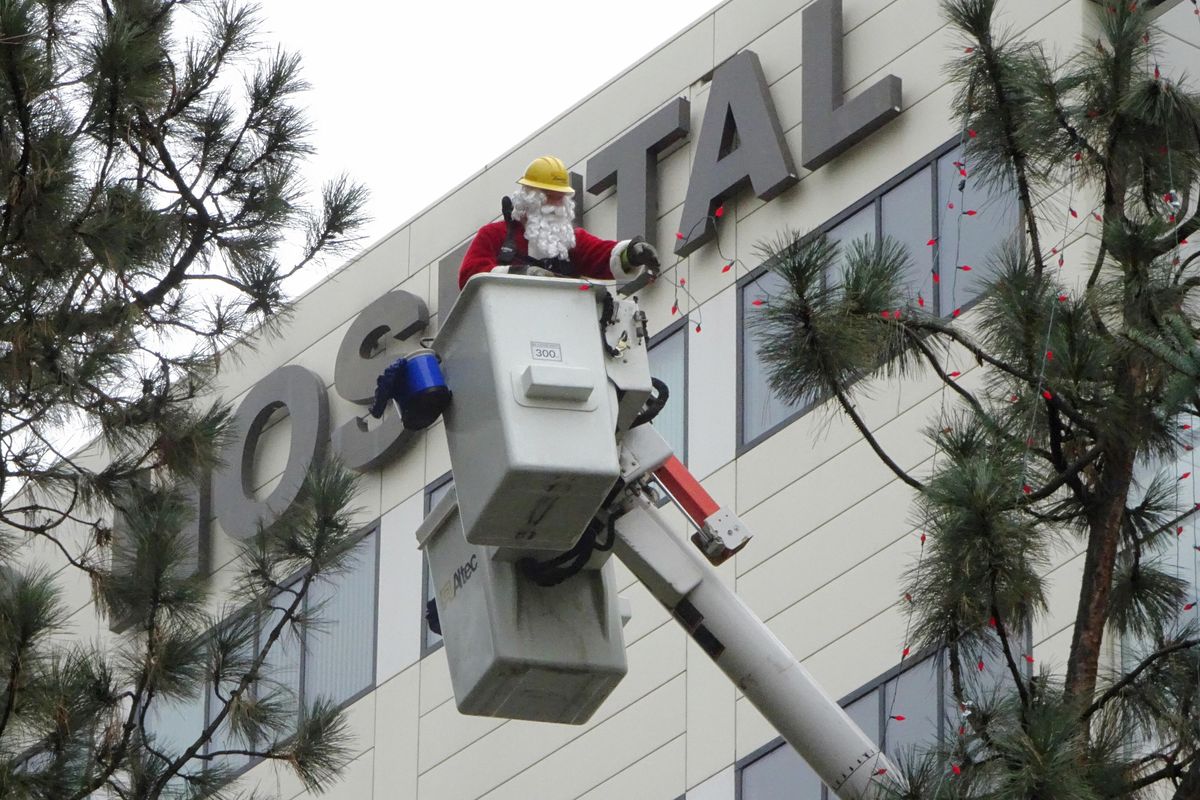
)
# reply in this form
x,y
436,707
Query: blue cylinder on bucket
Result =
x,y
425,394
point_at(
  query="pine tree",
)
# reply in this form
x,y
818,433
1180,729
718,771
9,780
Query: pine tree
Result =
x,y
1072,435
151,154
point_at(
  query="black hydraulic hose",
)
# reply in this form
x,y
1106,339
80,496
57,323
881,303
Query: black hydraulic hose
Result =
x,y
654,404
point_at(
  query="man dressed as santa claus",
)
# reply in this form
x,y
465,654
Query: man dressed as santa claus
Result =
x,y
538,237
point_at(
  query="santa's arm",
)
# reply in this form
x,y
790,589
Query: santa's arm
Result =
x,y
600,258
481,255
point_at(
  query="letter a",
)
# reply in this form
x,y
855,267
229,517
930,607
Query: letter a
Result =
x,y
740,144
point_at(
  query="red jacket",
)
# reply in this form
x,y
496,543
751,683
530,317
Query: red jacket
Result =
x,y
590,256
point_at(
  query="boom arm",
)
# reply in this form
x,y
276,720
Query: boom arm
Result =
x,y
725,627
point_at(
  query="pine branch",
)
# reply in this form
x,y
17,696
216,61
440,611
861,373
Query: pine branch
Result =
x,y
10,697
985,357
1131,676
1065,476
954,385
202,223
1189,787
1170,772
264,754
1002,633
1059,459
117,759
848,408
1016,153
24,119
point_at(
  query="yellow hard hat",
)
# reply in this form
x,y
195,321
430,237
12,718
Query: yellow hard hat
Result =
x,y
548,174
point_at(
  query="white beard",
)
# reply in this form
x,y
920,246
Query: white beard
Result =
x,y
549,229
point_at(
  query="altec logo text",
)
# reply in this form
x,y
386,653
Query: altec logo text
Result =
x,y
740,144
449,589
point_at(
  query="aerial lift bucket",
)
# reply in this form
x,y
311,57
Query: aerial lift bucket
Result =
x,y
531,427
516,649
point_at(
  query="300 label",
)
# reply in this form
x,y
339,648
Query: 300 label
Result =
x,y
546,351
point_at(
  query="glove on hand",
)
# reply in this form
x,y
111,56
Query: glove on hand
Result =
x,y
388,387
641,253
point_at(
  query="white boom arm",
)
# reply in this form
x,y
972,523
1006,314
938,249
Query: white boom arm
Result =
x,y
733,636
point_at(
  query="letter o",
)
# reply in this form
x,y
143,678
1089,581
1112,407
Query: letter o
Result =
x,y
303,394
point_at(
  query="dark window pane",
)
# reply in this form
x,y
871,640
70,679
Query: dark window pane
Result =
x,y
175,723
969,240
761,408
865,713
432,498
224,739
853,228
436,494
340,660
912,695
908,217
780,775
667,364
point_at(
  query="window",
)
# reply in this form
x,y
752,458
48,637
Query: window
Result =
x,y
1178,554
175,723
925,203
332,659
668,363
919,693
1184,556
339,658
431,640
777,772
965,239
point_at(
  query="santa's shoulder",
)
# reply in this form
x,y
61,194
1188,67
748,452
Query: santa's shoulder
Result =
x,y
492,232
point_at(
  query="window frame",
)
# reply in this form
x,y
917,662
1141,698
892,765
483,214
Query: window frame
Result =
x,y
426,648
873,198
676,328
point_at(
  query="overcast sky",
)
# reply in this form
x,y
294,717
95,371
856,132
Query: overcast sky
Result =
x,y
411,98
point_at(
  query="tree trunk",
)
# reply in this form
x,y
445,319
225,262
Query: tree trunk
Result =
x,y
1104,537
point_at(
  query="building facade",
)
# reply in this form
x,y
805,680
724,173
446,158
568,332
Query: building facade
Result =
x,y
833,527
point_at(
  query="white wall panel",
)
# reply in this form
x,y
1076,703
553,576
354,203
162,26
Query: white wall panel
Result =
x,y
825,615
435,680
658,775
1062,596
712,386
401,602
396,736
721,786
827,553
591,759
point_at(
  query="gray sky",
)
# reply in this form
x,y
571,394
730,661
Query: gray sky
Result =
x,y
411,98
